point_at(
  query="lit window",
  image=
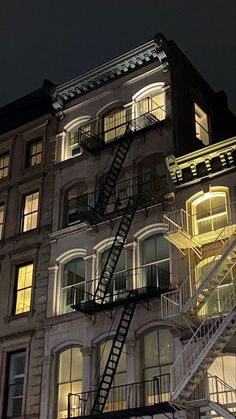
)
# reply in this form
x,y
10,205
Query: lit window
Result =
x,y
114,125
24,288
34,152
4,165
118,281
15,384
158,358
201,125
154,255
76,135
151,100
2,206
69,379
218,301
115,400
209,212
73,274
30,211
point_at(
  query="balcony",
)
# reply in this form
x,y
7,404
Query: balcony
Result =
x,y
187,231
120,124
150,190
150,281
135,399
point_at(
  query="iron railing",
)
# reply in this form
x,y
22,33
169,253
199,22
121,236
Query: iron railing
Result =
x,y
123,285
174,302
146,186
97,134
123,397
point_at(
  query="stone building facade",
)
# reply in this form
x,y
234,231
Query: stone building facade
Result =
x,y
134,295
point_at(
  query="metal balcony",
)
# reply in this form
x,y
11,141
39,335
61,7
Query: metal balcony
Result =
x,y
135,399
150,190
150,281
95,137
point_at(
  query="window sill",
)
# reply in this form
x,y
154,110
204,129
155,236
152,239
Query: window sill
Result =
x,y
14,317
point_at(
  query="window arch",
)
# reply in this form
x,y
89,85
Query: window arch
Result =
x,y
150,99
210,210
158,352
76,198
72,273
69,378
154,260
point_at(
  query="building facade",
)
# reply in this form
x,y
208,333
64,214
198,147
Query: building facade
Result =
x,y
134,302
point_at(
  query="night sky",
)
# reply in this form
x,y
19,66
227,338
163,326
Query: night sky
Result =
x,y
60,39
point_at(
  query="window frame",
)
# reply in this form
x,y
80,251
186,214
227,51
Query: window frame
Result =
x,y
146,93
2,156
15,290
29,156
23,215
61,311
2,224
200,113
6,385
110,113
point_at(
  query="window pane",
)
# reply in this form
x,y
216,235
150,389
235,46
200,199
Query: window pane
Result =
x,y
23,301
24,288
4,164
155,248
151,349
77,364
15,383
30,211
165,347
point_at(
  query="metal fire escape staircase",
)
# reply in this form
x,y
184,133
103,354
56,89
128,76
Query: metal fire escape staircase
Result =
x,y
215,330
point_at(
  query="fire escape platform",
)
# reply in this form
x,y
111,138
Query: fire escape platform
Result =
x,y
158,408
182,240
124,297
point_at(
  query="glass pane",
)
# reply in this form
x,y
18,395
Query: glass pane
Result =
x,y
25,275
63,391
77,364
64,366
165,347
154,248
121,265
151,349
73,272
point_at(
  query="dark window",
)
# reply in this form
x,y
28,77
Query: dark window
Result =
x,y
15,383
4,165
34,152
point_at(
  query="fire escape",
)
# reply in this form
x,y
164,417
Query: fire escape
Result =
x,y
214,316
92,302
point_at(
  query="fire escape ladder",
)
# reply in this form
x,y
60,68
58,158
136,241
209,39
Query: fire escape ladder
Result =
x,y
113,174
114,253
113,359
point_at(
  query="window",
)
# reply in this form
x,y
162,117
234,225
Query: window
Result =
x,y
155,262
34,152
218,301
24,279
77,203
151,100
73,273
201,125
209,212
114,125
30,211
2,207
15,384
118,281
70,368
75,135
4,165
115,399
158,358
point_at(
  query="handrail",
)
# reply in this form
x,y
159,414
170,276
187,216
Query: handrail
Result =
x,y
143,277
122,397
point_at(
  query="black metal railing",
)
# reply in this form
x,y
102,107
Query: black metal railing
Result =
x,y
97,134
128,284
146,186
124,397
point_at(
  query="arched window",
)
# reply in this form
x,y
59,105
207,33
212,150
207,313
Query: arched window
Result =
x,y
76,202
154,258
115,399
209,211
151,100
158,358
118,281
217,302
114,124
73,273
69,379
75,133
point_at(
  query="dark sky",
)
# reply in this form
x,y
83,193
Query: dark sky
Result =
x,y
60,39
